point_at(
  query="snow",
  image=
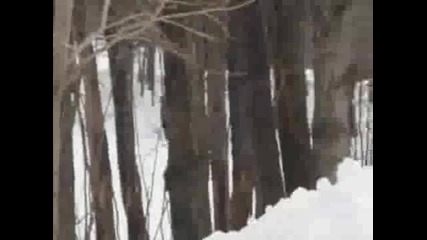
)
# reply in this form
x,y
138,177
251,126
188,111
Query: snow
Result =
x,y
342,211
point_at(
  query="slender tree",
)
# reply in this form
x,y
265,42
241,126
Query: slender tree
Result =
x,y
100,170
187,171
199,124
255,151
218,138
62,21
343,39
121,65
66,192
287,47
240,100
270,181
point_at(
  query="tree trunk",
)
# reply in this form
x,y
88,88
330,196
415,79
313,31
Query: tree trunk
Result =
x,y
331,128
289,66
271,183
242,133
66,192
182,166
121,65
100,171
343,38
255,152
199,130
62,22
216,84
186,176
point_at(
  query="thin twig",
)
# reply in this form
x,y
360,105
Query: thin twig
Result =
x,y
104,17
210,10
189,29
165,203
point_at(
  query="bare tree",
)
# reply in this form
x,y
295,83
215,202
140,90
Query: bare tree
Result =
x,y
121,65
66,191
255,151
199,125
343,38
187,173
218,139
267,152
242,133
62,22
287,30
100,171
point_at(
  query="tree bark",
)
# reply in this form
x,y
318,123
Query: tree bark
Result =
x,y
218,147
267,151
242,133
287,39
182,162
61,30
100,170
343,38
66,192
186,173
121,65
255,152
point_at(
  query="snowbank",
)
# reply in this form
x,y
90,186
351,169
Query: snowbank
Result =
x,y
340,212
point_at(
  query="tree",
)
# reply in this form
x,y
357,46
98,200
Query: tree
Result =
x,y
343,40
66,191
187,171
267,152
61,31
255,152
199,119
287,53
121,65
218,137
100,170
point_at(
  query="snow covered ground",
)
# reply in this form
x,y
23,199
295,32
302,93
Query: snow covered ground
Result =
x,y
340,212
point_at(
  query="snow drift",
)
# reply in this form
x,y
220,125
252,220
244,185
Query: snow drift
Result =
x,y
342,211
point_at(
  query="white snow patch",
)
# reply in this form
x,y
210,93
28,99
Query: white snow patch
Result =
x,y
342,211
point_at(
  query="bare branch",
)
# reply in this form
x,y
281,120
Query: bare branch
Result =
x,y
104,17
189,29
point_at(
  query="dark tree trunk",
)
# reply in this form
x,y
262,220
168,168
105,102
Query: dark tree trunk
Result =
x,y
186,176
240,100
121,65
62,22
255,152
288,44
66,192
343,41
100,171
216,83
182,163
199,123
267,152
331,128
